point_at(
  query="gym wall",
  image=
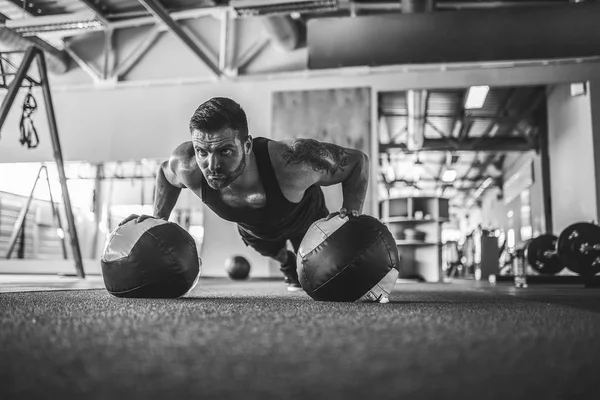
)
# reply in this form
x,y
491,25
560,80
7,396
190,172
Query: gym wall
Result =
x,y
573,163
496,204
135,121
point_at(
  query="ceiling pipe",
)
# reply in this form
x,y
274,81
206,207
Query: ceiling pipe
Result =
x,y
416,100
417,6
416,105
285,32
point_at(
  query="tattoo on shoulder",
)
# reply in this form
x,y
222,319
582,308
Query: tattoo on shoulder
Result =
x,y
319,156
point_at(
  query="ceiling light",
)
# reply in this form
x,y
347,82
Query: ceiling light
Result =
x,y
253,8
449,175
479,191
457,128
55,23
476,96
494,130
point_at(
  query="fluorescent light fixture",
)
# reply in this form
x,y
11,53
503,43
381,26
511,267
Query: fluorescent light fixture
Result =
x,y
253,8
482,188
457,128
54,23
479,191
494,130
476,96
449,175
578,89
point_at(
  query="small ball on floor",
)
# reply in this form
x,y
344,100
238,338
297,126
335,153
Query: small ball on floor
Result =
x,y
237,267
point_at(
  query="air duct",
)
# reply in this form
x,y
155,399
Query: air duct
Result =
x,y
417,6
416,100
57,61
285,32
416,106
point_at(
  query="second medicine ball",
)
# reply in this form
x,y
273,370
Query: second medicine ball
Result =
x,y
348,259
153,258
237,267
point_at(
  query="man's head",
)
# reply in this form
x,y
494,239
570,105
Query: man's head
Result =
x,y
221,142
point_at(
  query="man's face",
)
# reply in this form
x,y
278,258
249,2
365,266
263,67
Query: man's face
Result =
x,y
220,156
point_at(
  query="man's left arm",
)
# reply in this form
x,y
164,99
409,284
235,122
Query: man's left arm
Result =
x,y
328,164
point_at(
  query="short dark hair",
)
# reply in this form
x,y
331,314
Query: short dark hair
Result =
x,y
219,113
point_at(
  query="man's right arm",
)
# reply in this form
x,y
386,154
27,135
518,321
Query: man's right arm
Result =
x,y
168,187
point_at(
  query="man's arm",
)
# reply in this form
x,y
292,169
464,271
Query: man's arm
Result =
x,y
327,164
168,185
167,189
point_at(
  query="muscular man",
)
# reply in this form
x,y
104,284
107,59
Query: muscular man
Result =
x,y
270,189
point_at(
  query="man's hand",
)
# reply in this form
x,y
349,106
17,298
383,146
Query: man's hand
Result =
x,y
137,218
343,213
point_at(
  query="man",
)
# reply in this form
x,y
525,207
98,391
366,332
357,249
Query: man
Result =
x,y
271,189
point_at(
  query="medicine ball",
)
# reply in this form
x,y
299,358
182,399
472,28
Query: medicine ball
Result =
x,y
237,267
153,258
348,259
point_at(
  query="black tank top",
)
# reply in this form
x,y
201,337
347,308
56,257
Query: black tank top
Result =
x,y
279,218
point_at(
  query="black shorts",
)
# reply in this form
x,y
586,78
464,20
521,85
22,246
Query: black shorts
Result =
x,y
271,248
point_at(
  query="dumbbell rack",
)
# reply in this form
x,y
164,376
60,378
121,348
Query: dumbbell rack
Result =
x,y
422,217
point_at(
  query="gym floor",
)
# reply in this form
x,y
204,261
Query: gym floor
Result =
x,y
64,338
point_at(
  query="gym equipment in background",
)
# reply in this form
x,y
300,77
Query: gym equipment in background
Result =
x,y
577,248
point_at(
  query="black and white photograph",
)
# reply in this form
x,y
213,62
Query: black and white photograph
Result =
x,y
300,199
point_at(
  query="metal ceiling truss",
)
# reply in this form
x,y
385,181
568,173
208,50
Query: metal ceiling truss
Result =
x,y
81,63
160,13
251,53
222,64
30,7
463,185
490,144
98,7
138,52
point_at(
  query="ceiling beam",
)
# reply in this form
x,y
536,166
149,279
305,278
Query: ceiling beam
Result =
x,y
129,20
159,12
101,10
490,144
139,51
31,8
452,116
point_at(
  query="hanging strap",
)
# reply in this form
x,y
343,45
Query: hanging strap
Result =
x,y
29,134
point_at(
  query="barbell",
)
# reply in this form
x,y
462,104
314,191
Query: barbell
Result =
x,y
577,248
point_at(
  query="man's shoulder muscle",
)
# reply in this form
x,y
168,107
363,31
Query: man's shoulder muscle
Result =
x,y
182,162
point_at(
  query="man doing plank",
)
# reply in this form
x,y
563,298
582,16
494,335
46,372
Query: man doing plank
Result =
x,y
270,189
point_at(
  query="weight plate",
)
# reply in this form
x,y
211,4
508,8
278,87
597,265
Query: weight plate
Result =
x,y
579,248
540,254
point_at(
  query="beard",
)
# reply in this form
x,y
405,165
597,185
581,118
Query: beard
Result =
x,y
226,178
